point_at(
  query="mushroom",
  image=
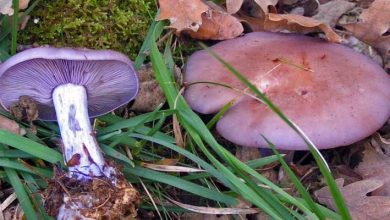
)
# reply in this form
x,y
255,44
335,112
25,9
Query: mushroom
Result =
x,y
334,94
72,85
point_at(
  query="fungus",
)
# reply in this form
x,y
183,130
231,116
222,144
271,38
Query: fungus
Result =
x,y
334,94
72,85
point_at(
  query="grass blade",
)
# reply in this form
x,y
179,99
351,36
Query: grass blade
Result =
x,y
301,189
29,169
21,193
181,184
30,147
15,26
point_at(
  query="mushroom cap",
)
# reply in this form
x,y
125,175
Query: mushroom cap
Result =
x,y
334,94
108,76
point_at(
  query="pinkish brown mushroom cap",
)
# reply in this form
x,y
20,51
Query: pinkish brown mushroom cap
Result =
x,y
334,94
108,76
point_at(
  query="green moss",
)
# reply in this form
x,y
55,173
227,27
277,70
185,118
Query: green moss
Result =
x,y
100,24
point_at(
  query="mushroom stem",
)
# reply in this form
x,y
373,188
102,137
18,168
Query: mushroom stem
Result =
x,y
82,153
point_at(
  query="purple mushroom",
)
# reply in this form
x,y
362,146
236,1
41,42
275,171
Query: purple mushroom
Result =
x,y
72,85
334,94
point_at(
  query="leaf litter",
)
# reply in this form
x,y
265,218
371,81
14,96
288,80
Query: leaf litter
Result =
x,y
375,164
330,12
182,14
361,206
373,25
200,20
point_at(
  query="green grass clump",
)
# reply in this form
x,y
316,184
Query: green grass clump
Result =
x,y
99,24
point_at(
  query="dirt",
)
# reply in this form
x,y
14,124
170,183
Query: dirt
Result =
x,y
100,198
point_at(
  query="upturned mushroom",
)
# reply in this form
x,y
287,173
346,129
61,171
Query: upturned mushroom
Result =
x,y
72,85
334,94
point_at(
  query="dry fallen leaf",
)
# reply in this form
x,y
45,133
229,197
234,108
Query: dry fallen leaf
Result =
x,y
232,6
381,142
374,23
330,12
300,24
10,125
204,21
217,25
360,205
375,165
183,14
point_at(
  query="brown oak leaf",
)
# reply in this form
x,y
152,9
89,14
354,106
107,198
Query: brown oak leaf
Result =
x,y
360,205
374,23
375,165
183,14
217,25
330,12
300,24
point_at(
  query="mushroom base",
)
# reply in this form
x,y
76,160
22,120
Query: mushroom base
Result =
x,y
98,198
81,151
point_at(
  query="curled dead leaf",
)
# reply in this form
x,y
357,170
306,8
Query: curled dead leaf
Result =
x,y
300,24
373,26
360,205
183,14
375,165
330,12
200,20
217,25
290,22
